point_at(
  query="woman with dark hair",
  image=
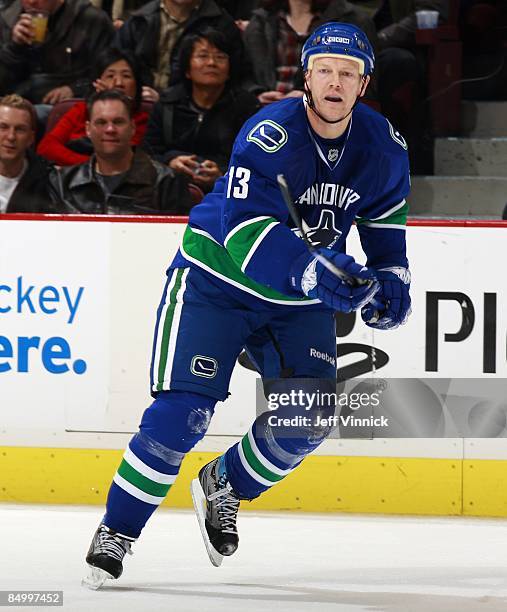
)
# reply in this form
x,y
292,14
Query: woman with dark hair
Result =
x,y
275,36
67,144
193,126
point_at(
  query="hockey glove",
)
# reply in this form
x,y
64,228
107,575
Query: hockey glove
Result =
x,y
394,293
314,280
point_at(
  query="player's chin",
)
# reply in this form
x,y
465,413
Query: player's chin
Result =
x,y
333,111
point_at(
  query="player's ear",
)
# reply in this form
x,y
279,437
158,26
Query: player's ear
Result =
x,y
364,85
87,128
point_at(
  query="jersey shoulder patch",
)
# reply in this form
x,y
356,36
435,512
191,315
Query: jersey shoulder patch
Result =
x,y
268,135
396,136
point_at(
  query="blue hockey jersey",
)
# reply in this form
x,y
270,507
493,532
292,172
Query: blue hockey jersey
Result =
x,y
242,233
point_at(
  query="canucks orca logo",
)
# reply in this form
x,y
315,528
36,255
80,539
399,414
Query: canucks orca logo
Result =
x,y
268,135
325,233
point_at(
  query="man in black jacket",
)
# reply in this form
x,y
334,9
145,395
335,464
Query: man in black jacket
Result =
x,y
59,67
154,33
116,179
24,185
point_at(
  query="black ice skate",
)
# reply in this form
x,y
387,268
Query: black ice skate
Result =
x,y
216,506
105,556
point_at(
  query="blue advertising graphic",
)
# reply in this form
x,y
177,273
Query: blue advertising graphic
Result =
x,y
55,353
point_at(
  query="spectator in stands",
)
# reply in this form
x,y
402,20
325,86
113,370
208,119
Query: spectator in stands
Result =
x,y
67,144
116,179
275,36
24,184
59,67
121,10
241,10
193,127
155,32
401,75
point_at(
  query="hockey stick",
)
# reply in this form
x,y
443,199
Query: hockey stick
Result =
x,y
351,280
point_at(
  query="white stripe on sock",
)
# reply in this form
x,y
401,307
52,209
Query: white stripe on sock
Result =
x,y
250,471
135,492
146,470
265,462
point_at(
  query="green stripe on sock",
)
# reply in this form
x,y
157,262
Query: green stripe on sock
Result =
x,y
141,482
255,464
167,329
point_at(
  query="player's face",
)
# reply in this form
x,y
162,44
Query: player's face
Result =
x,y
209,66
335,84
16,133
110,128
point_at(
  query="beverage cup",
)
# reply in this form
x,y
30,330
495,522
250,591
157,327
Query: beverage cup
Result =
x,y
427,20
40,25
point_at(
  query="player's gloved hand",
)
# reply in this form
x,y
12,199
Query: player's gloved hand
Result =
x,y
314,280
394,293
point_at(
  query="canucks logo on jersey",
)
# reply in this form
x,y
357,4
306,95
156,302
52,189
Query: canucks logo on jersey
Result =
x,y
268,135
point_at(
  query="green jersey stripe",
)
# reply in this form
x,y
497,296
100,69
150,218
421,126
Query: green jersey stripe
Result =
x,y
240,244
241,225
131,475
167,328
398,217
255,464
384,225
216,260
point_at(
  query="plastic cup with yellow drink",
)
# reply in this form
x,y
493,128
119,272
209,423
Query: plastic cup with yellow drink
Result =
x,y
39,24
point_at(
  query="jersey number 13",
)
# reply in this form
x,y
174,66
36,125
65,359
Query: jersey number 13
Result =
x,y
237,185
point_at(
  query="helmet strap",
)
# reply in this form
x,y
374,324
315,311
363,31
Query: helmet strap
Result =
x,y
311,103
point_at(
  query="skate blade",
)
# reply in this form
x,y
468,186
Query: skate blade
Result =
x,y
96,578
199,500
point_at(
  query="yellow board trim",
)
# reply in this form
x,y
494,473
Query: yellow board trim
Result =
x,y
484,487
320,484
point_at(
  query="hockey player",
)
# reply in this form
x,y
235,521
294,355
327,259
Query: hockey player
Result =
x,y
243,278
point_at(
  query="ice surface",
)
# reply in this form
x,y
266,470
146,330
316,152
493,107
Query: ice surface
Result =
x,y
285,563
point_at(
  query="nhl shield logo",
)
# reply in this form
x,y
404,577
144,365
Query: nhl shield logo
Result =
x,y
332,155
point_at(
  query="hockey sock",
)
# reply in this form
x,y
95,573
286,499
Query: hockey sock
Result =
x,y
170,427
276,444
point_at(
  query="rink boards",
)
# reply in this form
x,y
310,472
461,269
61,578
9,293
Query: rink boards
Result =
x,y
77,307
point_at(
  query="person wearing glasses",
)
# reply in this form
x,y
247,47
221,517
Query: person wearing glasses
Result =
x,y
193,126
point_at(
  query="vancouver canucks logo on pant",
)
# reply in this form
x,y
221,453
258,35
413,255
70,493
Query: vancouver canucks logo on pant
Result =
x,y
206,367
325,233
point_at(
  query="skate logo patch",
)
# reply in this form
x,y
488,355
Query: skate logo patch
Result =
x,y
268,135
206,367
